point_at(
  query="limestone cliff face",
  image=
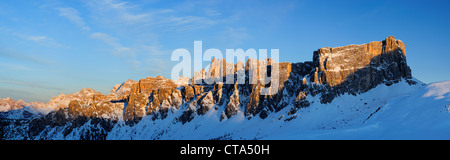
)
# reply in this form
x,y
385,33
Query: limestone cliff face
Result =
x,y
266,103
135,106
163,100
233,107
206,103
365,65
149,84
120,91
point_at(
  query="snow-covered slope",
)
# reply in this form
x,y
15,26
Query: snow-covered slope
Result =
x,y
421,114
424,114
399,111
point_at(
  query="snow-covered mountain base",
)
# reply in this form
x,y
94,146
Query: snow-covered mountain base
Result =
x,y
398,111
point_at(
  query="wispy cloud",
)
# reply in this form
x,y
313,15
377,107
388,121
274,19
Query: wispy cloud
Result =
x,y
37,38
13,67
118,48
211,12
17,94
24,94
118,11
157,66
233,36
73,16
154,49
126,13
141,26
30,84
7,53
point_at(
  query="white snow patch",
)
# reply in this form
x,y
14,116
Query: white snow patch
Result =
x,y
439,90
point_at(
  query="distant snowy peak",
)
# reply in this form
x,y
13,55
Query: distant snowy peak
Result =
x,y
10,104
63,100
55,103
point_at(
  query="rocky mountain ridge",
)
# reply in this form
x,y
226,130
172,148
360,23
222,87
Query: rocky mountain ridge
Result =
x,y
333,72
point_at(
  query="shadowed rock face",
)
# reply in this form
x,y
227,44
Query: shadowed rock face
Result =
x,y
135,108
206,103
122,90
188,93
233,107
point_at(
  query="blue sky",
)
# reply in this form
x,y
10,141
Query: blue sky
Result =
x,y
48,47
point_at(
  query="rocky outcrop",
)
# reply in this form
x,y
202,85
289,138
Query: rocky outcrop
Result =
x,y
206,103
233,107
254,101
358,68
189,113
63,100
216,71
150,95
259,102
188,93
157,98
218,92
300,102
135,107
88,109
169,99
121,91
182,81
149,84
198,89
365,65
